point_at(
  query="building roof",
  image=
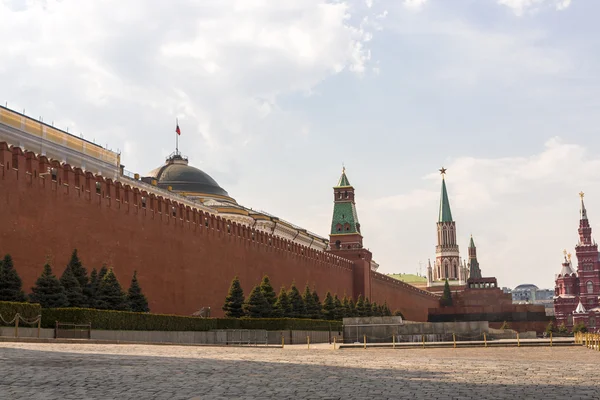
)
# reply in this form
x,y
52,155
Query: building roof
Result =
x,y
445,213
580,308
343,182
472,243
183,178
345,213
526,286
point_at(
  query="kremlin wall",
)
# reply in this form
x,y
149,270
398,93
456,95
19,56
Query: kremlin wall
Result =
x,y
185,248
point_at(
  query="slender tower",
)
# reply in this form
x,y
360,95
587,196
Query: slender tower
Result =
x,y
587,261
447,256
346,239
474,270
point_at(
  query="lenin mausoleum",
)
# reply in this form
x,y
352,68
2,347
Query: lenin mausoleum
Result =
x,y
186,236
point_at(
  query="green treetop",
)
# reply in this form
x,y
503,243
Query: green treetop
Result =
x,y
309,303
81,275
48,291
446,300
340,309
361,310
328,307
11,286
110,294
297,303
283,308
318,306
92,288
256,305
73,291
268,293
234,301
135,298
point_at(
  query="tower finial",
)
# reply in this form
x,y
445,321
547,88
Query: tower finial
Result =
x,y
583,211
443,172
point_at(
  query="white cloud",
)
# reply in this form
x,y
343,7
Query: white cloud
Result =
x,y
520,7
522,212
414,4
219,65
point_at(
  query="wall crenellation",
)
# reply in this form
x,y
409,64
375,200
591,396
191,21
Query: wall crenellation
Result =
x,y
53,174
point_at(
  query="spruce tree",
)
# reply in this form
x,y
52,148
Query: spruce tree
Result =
x,y
92,288
110,295
386,310
339,308
102,272
318,305
234,300
11,286
375,310
352,311
135,298
73,291
269,294
345,309
329,311
283,308
81,275
368,308
446,300
296,302
256,305
309,303
48,291
361,310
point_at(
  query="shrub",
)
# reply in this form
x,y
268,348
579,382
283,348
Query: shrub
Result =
x,y
125,320
580,327
8,309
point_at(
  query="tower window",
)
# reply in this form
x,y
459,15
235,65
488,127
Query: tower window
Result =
x,y
339,195
338,244
590,287
346,194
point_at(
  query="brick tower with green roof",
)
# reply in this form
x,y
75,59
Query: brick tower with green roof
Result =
x,y
346,239
345,228
447,261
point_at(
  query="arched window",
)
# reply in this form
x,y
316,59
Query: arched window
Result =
x,y
455,271
446,270
590,287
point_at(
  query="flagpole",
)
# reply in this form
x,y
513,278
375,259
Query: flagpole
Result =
x,y
177,138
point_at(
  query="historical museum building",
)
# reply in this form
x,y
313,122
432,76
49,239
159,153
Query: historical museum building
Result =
x,y
577,292
184,234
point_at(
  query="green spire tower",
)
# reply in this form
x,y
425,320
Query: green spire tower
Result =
x,y
447,261
345,228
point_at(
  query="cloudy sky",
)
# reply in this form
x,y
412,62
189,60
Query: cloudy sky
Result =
x,y
273,96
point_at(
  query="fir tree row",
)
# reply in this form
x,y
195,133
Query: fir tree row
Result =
x,y
75,288
262,302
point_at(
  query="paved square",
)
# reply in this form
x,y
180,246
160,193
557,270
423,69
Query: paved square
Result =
x,y
85,371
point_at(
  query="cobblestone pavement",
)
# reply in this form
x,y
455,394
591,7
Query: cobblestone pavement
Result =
x,y
85,371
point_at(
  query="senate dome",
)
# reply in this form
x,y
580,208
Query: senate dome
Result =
x,y
179,177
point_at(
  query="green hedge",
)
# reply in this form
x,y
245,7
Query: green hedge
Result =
x,y
8,310
130,321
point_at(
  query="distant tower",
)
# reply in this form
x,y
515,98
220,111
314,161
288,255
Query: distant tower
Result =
x,y
587,261
447,257
345,238
474,270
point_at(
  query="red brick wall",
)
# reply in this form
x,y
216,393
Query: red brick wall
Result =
x,y
182,264
411,301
